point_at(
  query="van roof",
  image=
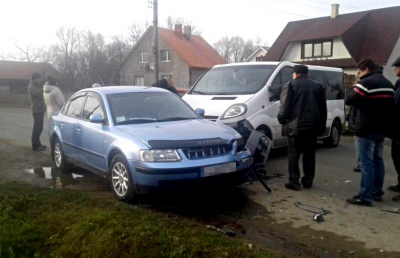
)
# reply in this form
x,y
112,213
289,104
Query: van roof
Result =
x,y
283,63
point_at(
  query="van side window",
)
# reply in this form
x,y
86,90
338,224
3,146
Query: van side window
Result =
x,y
284,75
334,85
317,76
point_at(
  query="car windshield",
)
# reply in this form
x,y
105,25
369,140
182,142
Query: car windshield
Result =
x,y
148,107
233,80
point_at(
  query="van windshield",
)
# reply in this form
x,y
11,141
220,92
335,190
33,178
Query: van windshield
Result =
x,y
234,80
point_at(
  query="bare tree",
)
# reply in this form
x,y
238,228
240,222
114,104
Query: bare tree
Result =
x,y
135,32
235,49
32,54
66,61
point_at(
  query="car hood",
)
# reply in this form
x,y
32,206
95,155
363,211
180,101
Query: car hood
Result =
x,y
215,105
180,130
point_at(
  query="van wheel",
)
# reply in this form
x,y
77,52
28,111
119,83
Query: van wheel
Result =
x,y
121,180
334,137
265,131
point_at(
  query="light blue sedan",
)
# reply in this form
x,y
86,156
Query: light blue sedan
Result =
x,y
145,139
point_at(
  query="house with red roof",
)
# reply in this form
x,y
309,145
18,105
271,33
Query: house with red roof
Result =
x,y
341,40
182,56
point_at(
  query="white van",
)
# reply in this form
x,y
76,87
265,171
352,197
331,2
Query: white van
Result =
x,y
252,90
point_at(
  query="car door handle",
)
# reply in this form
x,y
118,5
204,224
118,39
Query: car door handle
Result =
x,y
78,129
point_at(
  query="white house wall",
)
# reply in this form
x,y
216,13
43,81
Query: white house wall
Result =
x,y
293,52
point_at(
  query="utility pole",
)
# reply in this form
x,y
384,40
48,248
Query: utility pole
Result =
x,y
155,37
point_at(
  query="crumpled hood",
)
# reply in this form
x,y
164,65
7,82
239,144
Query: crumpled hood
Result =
x,y
181,130
48,88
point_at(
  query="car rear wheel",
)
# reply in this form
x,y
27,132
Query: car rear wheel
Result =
x,y
334,137
121,180
59,157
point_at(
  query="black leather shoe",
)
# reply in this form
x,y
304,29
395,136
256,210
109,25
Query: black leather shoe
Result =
x,y
357,169
40,148
43,146
292,187
377,199
358,201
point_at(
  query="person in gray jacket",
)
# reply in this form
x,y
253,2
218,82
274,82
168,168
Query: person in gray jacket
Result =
x,y
303,114
38,107
53,96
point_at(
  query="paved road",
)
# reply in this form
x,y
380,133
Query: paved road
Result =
x,y
335,181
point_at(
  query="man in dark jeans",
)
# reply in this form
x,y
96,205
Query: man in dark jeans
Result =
x,y
303,115
372,100
35,90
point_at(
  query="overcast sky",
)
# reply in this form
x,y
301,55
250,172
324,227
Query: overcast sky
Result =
x,y
34,23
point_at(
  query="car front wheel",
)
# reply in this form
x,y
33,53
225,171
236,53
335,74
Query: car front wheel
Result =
x,y
121,180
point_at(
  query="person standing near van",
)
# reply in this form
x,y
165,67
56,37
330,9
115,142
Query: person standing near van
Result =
x,y
302,113
372,100
395,130
53,96
35,90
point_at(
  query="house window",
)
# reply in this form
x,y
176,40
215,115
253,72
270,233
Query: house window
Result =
x,y
143,57
165,56
138,81
317,49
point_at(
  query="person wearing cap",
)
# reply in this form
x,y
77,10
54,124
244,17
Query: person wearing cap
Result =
x,y
53,97
35,90
303,114
372,100
395,129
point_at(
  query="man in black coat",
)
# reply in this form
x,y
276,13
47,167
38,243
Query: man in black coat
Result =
x,y
395,129
303,115
35,90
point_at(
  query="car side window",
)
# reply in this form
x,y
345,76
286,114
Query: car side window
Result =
x,y
92,106
284,75
75,106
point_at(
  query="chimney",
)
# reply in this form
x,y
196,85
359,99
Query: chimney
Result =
x,y
187,31
178,29
335,11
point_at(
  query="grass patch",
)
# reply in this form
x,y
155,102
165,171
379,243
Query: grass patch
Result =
x,y
37,222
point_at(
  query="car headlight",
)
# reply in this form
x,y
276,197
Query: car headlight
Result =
x,y
159,156
234,110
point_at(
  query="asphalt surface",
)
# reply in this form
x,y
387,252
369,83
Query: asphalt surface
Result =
x,y
335,182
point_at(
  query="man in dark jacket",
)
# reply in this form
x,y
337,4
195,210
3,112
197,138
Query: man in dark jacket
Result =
x,y
35,90
395,129
302,114
371,99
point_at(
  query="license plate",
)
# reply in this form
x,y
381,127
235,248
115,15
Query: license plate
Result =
x,y
220,169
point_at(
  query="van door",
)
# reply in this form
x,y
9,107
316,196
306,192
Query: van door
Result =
x,y
284,75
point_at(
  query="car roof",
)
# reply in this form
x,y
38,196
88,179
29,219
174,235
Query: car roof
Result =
x,y
124,89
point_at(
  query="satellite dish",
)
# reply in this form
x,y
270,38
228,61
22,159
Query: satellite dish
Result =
x,y
151,66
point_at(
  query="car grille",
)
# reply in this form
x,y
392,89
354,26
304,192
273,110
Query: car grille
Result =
x,y
206,151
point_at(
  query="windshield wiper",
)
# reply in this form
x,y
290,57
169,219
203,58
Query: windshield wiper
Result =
x,y
175,119
137,121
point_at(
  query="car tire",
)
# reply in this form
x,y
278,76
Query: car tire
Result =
x,y
59,158
334,136
121,180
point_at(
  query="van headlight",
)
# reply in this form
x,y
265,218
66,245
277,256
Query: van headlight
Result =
x,y
159,156
234,110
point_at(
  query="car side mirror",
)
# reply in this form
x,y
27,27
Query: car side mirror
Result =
x,y
200,111
96,118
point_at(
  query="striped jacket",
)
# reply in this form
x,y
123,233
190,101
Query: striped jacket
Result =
x,y
371,101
